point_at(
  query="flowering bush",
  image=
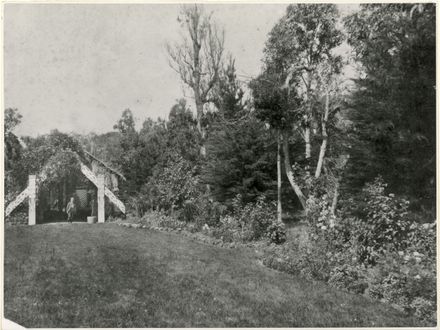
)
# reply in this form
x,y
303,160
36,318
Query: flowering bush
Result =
x,y
422,239
386,225
405,279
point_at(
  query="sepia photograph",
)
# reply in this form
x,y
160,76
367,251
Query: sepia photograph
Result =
x,y
219,165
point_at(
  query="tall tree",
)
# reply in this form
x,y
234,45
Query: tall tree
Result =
x,y
240,160
394,105
299,60
12,146
240,156
297,46
278,108
228,96
198,57
13,150
329,98
131,160
182,134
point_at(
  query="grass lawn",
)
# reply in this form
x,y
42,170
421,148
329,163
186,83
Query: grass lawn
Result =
x,y
103,275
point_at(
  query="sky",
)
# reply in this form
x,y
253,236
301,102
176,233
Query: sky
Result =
x,y
76,67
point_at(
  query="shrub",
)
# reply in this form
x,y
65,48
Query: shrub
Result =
x,y
425,310
276,232
258,220
137,205
386,225
189,211
17,217
209,211
286,258
422,239
228,230
174,184
404,279
348,277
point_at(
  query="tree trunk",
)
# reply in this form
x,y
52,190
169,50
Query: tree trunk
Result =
x,y
324,138
279,208
197,88
290,174
199,109
335,198
64,193
203,147
307,141
308,122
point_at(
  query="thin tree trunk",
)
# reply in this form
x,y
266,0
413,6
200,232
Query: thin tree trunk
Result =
x,y
199,109
64,193
203,147
307,132
335,198
279,208
324,138
196,87
290,174
307,141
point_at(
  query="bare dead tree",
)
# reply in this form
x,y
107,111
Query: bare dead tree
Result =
x,y
197,58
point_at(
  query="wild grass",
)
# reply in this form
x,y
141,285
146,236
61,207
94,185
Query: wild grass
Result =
x,y
103,275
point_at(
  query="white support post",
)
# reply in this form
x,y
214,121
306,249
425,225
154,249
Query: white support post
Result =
x,y
32,197
101,201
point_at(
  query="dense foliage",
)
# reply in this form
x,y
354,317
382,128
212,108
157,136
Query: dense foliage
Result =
x,y
383,256
393,107
240,160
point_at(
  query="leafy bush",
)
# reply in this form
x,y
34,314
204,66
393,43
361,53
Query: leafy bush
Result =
x,y
258,220
310,263
137,205
422,239
189,211
276,232
175,184
229,230
249,222
386,225
18,217
425,310
401,278
209,212
348,277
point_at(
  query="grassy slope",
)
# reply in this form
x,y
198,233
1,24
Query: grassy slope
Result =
x,y
79,275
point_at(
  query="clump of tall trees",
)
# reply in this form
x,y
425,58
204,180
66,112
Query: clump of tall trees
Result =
x,y
294,133
393,106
